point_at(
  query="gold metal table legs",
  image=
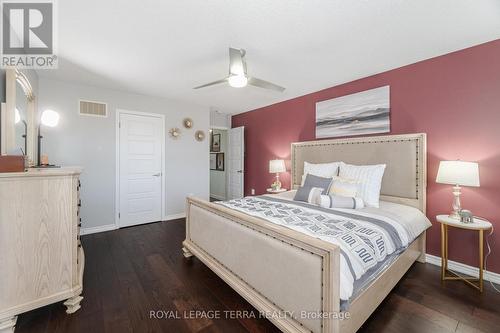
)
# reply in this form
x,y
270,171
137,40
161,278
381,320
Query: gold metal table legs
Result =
x,y
450,275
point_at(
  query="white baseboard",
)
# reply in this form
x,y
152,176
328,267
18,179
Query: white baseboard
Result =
x,y
101,228
109,227
218,197
175,216
463,269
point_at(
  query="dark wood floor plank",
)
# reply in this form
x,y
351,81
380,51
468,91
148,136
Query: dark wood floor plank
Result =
x,y
423,313
140,286
132,271
189,295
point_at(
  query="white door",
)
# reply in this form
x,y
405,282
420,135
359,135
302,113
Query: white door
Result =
x,y
140,168
236,163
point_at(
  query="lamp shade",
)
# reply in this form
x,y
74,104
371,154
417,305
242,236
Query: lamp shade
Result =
x,y
458,173
276,166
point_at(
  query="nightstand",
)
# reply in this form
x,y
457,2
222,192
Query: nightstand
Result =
x,y
281,190
479,225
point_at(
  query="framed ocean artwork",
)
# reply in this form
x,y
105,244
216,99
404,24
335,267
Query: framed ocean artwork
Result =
x,y
366,112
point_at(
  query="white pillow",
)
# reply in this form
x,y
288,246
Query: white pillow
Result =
x,y
369,178
325,170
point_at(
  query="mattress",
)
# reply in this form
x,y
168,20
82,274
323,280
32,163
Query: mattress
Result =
x,y
410,217
391,227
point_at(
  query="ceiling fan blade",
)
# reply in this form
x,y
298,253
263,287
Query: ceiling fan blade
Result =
x,y
264,84
237,65
211,83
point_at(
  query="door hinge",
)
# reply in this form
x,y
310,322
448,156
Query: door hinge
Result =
x,y
119,124
118,215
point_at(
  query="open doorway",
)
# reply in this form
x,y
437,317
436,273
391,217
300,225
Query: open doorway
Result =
x,y
218,164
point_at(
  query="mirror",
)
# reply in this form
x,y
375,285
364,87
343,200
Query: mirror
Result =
x,y
18,117
21,119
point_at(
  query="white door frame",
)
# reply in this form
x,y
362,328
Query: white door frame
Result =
x,y
119,112
226,181
242,161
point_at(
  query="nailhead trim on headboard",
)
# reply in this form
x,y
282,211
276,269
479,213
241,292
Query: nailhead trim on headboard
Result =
x,y
418,138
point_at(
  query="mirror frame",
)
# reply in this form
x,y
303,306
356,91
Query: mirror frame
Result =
x,y
8,131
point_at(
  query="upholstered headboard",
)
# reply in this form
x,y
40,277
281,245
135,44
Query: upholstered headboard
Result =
x,y
405,177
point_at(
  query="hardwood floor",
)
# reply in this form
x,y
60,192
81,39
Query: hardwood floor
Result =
x,y
131,272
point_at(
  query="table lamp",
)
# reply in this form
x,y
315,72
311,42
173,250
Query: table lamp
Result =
x,y
276,166
17,119
458,173
49,118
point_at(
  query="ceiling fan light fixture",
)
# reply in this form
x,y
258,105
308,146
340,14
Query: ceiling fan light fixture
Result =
x,y
238,81
238,77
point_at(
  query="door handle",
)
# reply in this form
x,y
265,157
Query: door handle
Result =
x,y
157,174
239,171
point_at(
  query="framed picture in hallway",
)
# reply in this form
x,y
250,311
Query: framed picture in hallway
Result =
x,y
217,161
220,162
365,112
215,143
213,161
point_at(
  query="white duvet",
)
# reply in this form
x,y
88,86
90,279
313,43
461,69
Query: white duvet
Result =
x,y
407,221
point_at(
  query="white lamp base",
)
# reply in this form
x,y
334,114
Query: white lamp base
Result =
x,y
456,203
277,184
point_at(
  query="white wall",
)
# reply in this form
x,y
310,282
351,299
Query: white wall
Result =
x,y
218,178
90,142
219,120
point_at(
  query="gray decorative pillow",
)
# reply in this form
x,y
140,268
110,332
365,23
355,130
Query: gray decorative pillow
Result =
x,y
316,181
308,194
337,201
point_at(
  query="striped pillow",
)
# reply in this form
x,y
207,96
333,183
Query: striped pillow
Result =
x,y
337,201
369,178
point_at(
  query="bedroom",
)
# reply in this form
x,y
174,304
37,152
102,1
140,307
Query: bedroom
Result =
x,y
377,117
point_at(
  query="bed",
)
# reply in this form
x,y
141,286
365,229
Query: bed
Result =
x,y
293,278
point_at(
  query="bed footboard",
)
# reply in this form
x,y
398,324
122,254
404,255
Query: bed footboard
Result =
x,y
289,277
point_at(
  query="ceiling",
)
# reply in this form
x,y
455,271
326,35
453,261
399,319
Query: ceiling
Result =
x,y
165,48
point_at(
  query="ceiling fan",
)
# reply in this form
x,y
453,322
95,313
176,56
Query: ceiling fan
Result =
x,y
238,77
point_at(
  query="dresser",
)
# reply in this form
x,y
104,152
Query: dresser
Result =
x,y
41,257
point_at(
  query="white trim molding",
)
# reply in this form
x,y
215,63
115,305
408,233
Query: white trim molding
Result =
x,y
463,268
101,228
175,216
218,197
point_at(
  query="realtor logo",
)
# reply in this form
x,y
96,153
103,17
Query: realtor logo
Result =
x,y
28,34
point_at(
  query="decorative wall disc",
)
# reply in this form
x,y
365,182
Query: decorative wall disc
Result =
x,y
199,135
188,122
175,133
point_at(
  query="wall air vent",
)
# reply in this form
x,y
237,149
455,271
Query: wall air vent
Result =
x,y
95,109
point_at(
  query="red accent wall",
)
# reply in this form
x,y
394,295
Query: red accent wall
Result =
x,y
454,98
